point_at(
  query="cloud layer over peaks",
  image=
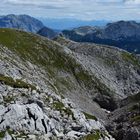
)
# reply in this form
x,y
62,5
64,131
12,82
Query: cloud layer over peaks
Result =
x,y
81,9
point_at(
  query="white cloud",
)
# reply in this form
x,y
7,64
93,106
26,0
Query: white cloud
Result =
x,y
132,1
82,9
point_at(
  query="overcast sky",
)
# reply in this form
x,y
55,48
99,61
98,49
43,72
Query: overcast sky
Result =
x,y
80,9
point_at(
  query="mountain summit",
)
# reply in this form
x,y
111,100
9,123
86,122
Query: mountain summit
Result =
x,y
23,22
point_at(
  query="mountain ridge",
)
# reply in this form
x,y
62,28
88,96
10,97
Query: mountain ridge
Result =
x,y
122,34
47,32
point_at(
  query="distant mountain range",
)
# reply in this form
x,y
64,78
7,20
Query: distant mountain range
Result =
x,y
122,34
69,23
26,23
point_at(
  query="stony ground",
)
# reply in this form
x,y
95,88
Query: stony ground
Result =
x,y
60,90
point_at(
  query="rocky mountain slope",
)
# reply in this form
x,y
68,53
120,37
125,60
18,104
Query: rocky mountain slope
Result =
x,y
122,34
35,76
23,22
114,68
61,89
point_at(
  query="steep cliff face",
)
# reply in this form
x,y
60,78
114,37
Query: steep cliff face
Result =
x,y
58,89
23,22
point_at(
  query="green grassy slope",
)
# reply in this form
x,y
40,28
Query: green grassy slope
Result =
x,y
52,57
